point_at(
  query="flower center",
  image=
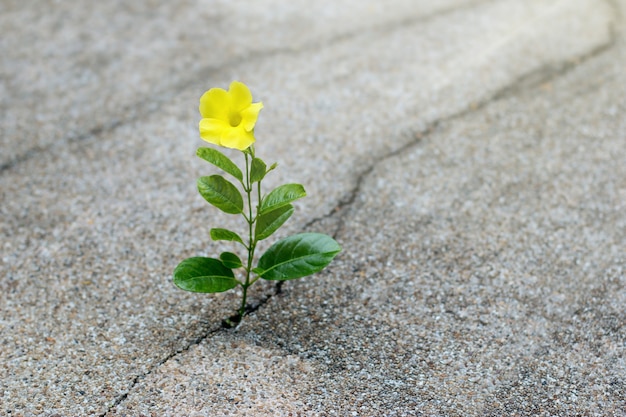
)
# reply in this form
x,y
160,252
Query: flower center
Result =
x,y
234,118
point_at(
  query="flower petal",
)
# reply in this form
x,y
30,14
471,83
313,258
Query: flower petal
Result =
x,y
212,130
237,138
240,95
249,115
215,104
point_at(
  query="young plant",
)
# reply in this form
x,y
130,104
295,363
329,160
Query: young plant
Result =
x,y
228,120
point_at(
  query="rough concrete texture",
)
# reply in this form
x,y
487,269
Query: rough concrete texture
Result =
x,y
468,155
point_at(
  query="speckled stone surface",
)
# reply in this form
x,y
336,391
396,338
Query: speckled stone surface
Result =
x,y
468,155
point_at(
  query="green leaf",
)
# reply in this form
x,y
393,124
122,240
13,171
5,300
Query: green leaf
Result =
x,y
206,275
281,196
230,260
221,193
257,170
225,234
220,160
272,167
297,256
268,223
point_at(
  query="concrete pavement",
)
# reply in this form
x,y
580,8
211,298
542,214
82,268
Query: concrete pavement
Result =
x,y
468,155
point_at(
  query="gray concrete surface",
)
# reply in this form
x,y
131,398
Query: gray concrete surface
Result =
x,y
468,155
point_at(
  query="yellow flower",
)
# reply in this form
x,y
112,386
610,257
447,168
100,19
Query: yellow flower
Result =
x,y
228,117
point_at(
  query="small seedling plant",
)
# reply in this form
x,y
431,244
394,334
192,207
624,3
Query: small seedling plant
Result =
x,y
228,120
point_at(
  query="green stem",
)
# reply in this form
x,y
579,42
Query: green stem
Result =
x,y
252,241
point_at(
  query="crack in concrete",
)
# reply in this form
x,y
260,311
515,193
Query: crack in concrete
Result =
x,y
168,91
525,82
226,324
530,80
122,397
34,151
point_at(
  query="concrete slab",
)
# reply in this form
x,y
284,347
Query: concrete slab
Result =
x,y
495,287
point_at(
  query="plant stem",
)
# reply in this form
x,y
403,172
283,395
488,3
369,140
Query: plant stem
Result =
x,y
252,241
